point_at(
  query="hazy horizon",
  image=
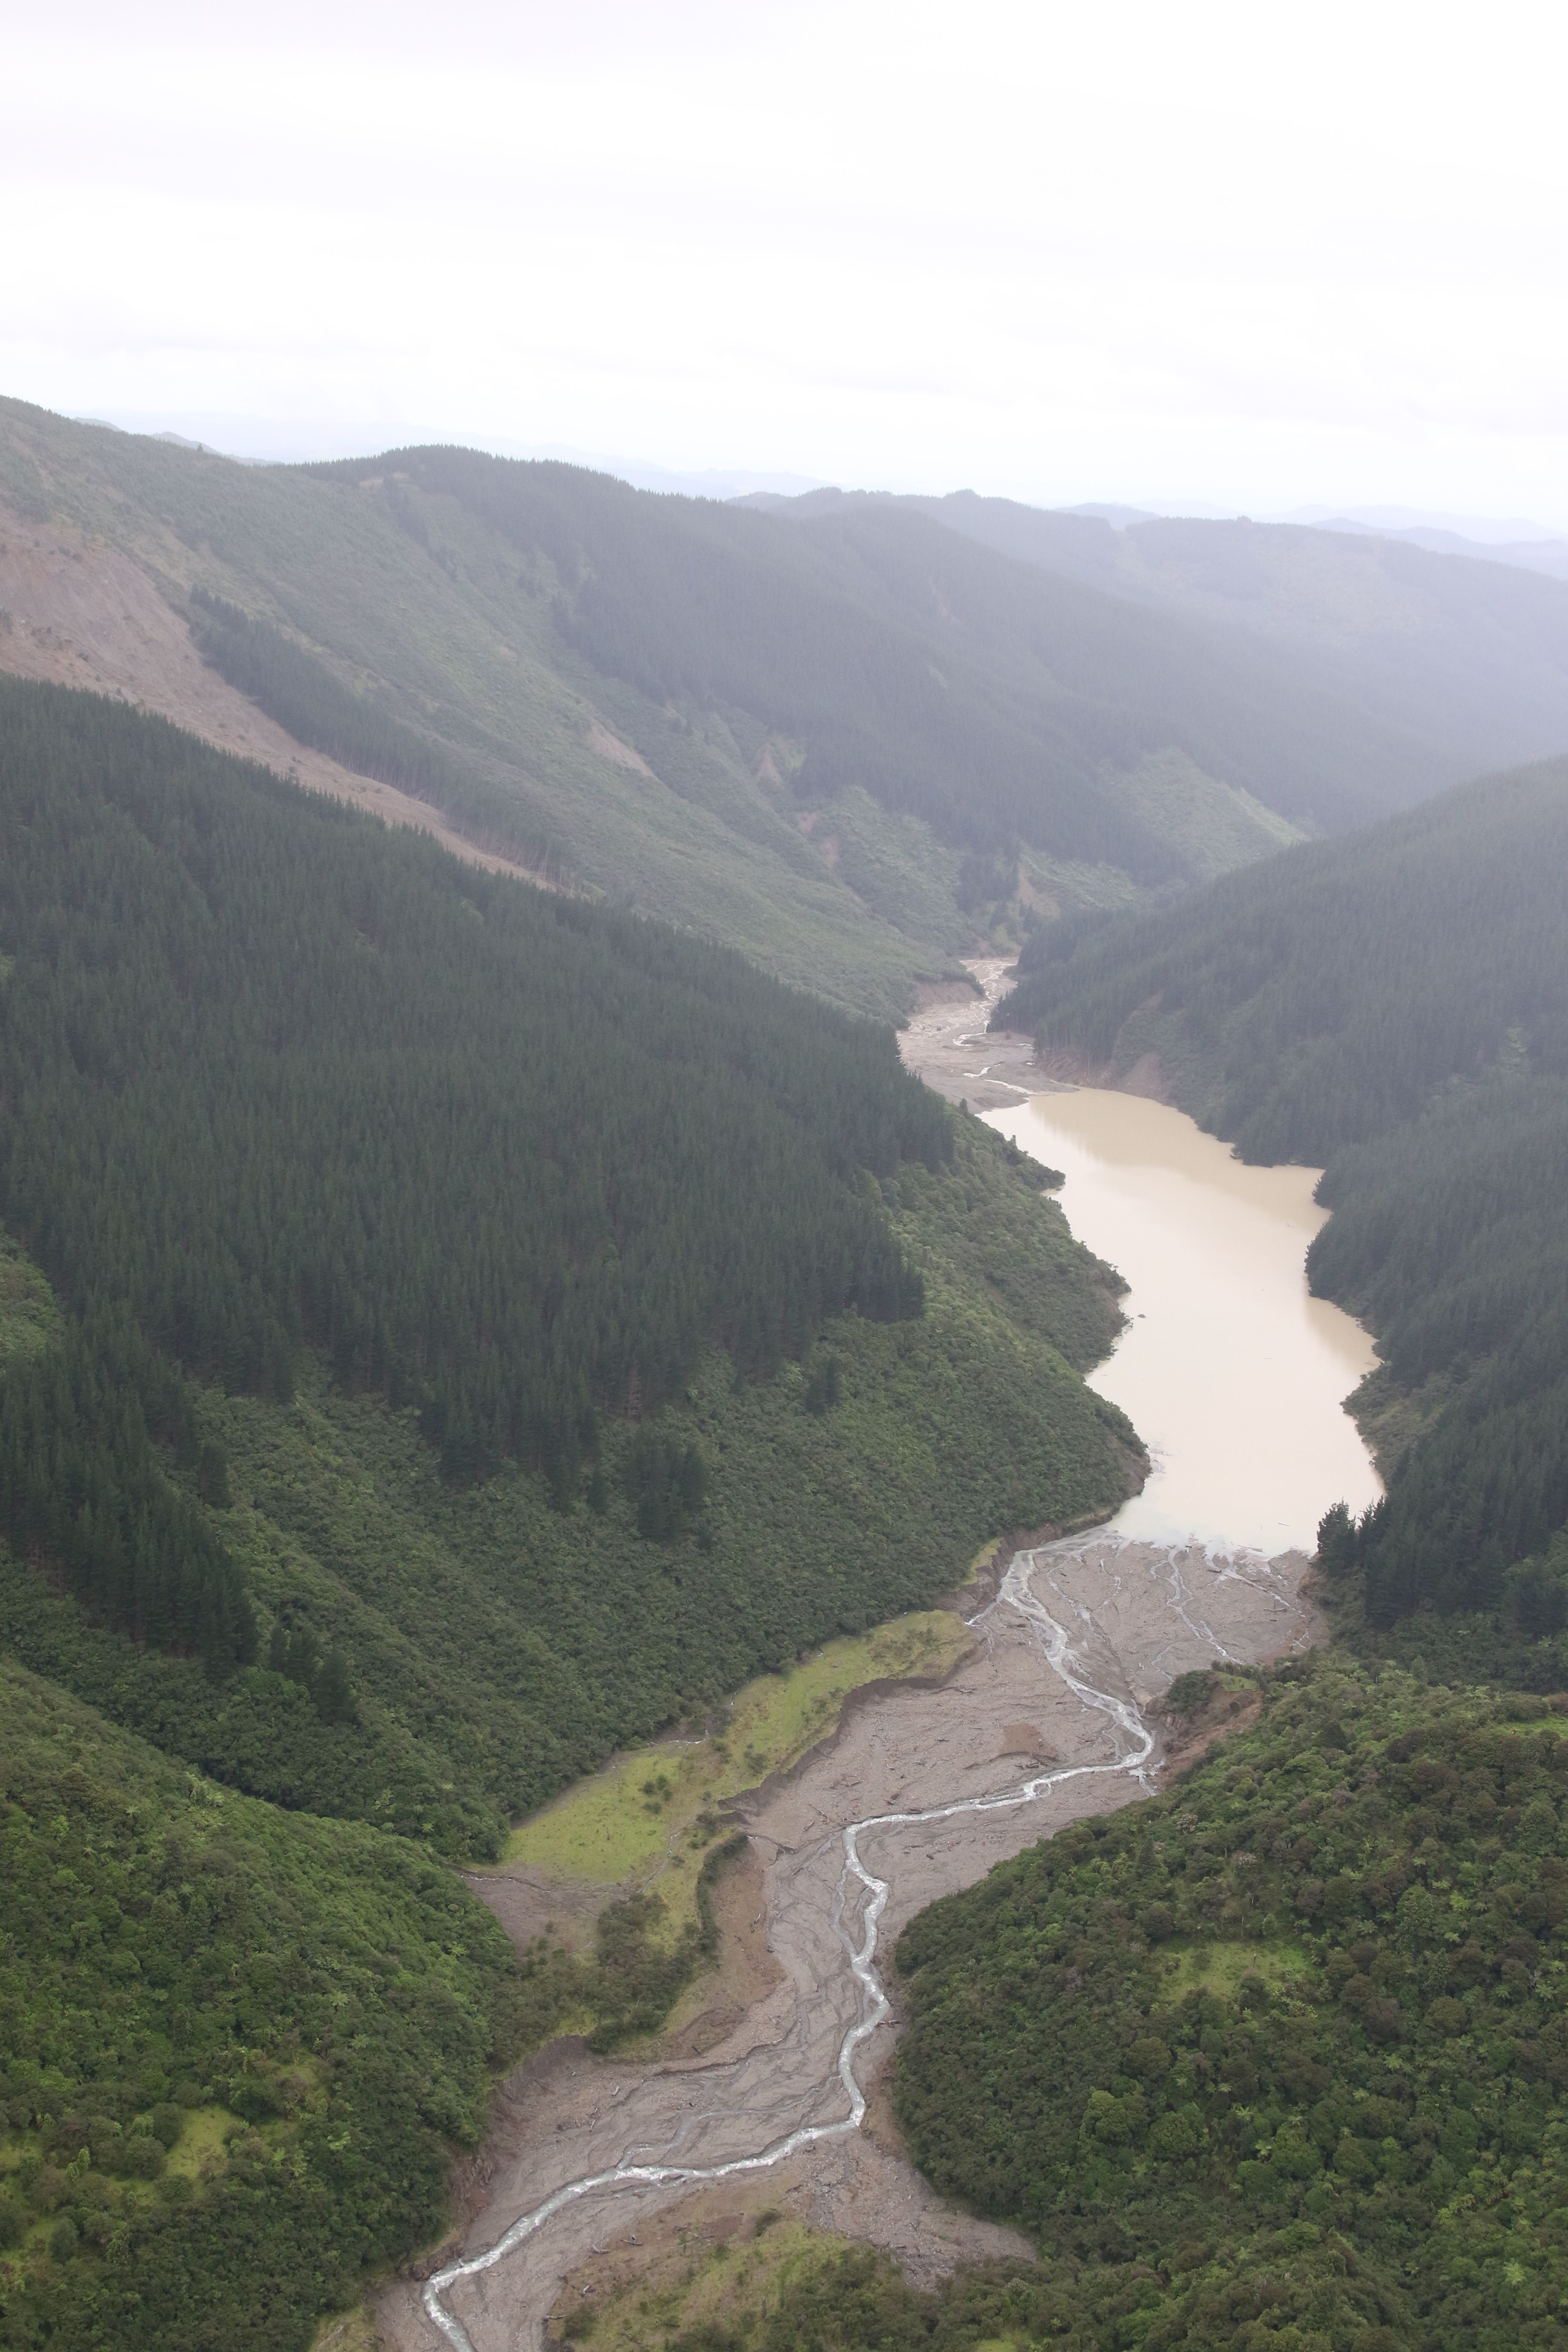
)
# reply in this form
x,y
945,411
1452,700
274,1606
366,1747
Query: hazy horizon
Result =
x,y
1236,261
261,441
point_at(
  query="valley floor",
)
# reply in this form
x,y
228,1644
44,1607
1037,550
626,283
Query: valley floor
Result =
x,y
946,1042
1087,1634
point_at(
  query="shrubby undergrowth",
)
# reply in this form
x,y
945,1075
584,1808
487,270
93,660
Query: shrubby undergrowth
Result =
x,y
433,1259
1282,2056
236,2046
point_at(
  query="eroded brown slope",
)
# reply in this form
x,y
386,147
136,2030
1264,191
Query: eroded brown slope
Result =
x,y
79,612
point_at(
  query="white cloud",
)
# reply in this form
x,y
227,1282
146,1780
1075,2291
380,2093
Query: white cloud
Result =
x,y
1251,254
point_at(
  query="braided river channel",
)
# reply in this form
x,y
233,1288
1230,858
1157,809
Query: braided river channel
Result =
x,y
1235,1379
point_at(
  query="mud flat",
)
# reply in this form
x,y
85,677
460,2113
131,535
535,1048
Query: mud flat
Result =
x,y
919,1793
947,1044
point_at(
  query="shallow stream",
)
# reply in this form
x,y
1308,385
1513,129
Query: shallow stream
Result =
x,y
1235,1377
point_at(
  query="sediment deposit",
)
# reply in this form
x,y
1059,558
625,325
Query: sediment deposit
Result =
x,y
919,1793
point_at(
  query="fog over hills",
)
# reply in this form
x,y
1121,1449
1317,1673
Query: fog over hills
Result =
x,y
1538,553
853,736
451,1330
1395,627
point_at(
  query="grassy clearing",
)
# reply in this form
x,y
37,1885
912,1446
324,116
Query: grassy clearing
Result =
x,y
347,2331
646,1814
983,1558
200,2146
29,1315
697,2287
1218,1968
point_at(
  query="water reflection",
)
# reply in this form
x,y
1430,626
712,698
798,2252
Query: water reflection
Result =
x,y
1233,1374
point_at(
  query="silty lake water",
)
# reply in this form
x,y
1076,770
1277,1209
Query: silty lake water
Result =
x,y
1235,1377
1233,1374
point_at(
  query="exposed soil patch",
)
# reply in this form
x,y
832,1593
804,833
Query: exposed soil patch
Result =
x,y
947,1043
610,747
528,1905
746,1971
1027,1740
1197,1735
89,615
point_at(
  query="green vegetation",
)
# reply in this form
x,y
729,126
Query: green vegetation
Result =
x,y
222,994
1396,1006
642,1962
235,2047
852,743
639,1814
499,1648
446,1333
331,1452
27,1319
1316,1001
1277,2060
1284,2052
969,692
1428,648
304,697
292,686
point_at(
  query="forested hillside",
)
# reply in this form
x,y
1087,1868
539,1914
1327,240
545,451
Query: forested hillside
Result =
x,y
1395,1005
1309,2000
1277,2060
1424,643
854,743
236,2046
445,1332
387,1206
997,705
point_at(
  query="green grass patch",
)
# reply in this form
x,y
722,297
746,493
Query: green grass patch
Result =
x,y
199,2149
699,2292
28,1316
348,2331
1219,1969
647,1816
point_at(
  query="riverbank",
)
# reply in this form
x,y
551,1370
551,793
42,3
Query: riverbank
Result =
x,y
596,2167
947,1044
643,1824
1049,1721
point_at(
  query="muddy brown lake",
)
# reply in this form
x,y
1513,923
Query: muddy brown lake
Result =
x,y
1232,1373
1235,1377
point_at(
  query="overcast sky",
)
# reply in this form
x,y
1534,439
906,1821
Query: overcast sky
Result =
x,y
1246,256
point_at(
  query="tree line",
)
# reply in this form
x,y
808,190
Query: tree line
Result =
x,y
1309,1998
275,1080
1394,1006
982,695
294,687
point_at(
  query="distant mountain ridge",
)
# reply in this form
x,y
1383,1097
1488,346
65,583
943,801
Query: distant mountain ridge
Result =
x,y
1460,662
1548,555
854,738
